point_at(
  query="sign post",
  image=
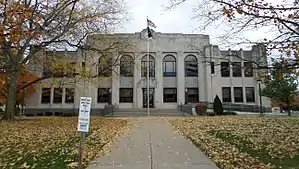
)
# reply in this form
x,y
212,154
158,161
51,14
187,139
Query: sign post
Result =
x,y
83,125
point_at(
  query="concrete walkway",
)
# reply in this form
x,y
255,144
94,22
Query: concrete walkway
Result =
x,y
153,145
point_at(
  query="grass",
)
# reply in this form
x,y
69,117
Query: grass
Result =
x,y
245,142
52,142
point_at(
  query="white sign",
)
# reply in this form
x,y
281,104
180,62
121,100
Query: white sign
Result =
x,y
84,114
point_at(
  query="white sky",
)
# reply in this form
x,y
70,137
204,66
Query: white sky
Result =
x,y
175,21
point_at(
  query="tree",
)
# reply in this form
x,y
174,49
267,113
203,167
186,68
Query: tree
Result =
x,y
240,16
29,27
24,78
217,105
281,85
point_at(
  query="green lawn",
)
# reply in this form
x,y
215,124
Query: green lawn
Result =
x,y
245,142
52,142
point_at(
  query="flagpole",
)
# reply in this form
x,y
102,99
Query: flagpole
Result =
x,y
148,81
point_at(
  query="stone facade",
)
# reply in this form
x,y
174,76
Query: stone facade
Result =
x,y
174,75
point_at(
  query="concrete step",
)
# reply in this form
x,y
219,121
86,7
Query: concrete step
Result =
x,y
143,112
151,110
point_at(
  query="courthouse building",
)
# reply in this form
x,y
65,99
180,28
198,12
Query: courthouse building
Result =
x,y
184,68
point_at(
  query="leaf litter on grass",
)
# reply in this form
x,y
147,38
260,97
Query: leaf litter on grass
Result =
x,y
52,142
245,142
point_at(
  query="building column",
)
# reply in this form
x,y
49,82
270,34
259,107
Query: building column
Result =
x,y
208,76
137,83
159,79
115,85
180,74
202,73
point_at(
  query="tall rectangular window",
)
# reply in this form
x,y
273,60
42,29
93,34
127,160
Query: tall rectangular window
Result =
x,y
212,67
71,69
225,70
103,95
226,94
192,95
69,95
46,95
46,69
57,95
250,95
126,95
169,95
83,67
238,94
248,69
237,69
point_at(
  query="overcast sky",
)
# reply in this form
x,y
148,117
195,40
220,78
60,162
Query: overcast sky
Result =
x,y
175,21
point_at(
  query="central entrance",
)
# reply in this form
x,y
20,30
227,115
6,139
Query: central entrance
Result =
x,y
151,97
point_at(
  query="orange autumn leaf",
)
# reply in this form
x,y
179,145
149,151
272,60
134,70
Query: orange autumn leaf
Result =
x,y
24,79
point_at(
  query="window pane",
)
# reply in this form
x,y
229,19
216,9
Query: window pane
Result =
x,y
144,68
169,66
248,69
57,95
192,95
46,95
126,66
238,94
237,69
225,70
69,95
226,94
126,95
212,67
250,95
170,95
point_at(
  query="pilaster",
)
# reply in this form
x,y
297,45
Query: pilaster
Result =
x,y
137,91
159,79
115,84
180,78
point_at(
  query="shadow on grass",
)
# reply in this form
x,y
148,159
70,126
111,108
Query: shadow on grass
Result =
x,y
262,154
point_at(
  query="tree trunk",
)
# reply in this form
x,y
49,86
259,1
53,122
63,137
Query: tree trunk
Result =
x,y
10,108
289,110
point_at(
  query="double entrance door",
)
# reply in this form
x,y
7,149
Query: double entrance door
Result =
x,y
151,97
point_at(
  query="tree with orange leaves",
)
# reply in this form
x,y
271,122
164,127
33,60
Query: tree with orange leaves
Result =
x,y
28,27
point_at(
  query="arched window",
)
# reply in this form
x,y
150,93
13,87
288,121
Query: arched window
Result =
x,y
126,66
191,66
169,66
151,66
105,66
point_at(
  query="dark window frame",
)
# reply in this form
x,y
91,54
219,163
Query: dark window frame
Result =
x,y
46,99
225,69
191,61
151,66
227,99
169,60
193,97
126,66
212,64
71,98
47,70
173,96
105,69
57,95
103,95
252,91
248,69
238,99
126,99
237,69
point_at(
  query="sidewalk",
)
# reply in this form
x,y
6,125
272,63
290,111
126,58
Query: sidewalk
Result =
x,y
153,145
